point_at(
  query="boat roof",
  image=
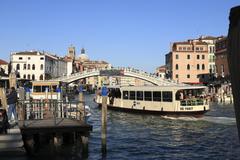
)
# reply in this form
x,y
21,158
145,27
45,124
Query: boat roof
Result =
x,y
172,87
45,82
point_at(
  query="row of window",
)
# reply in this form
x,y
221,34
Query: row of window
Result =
x,y
165,96
189,48
25,66
32,77
189,56
189,76
189,67
29,58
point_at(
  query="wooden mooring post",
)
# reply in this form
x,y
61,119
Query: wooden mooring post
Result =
x,y
104,120
81,108
233,59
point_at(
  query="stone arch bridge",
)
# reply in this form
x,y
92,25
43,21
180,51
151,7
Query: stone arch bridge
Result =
x,y
130,72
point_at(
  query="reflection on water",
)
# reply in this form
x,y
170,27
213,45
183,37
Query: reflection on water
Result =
x,y
138,136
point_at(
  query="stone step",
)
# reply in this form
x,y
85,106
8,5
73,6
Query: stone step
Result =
x,y
11,145
10,137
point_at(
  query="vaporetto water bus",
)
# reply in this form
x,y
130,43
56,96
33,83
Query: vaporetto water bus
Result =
x,y
165,100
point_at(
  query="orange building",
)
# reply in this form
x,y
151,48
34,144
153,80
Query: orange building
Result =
x,y
221,58
188,61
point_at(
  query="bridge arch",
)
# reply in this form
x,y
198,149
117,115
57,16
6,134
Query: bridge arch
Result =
x,y
130,72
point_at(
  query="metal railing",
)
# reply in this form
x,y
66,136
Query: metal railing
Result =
x,y
192,102
51,109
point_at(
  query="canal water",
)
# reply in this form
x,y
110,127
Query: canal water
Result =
x,y
152,137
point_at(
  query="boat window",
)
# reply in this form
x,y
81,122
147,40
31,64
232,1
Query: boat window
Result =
x,y
167,96
37,89
132,95
156,96
147,96
117,93
125,94
140,95
44,88
179,95
54,88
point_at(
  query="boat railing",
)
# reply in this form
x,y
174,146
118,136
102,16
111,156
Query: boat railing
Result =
x,y
192,102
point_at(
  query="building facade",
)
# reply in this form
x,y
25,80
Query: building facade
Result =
x,y
188,61
34,65
161,71
4,66
221,58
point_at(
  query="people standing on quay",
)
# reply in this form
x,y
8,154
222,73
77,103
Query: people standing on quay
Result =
x,y
11,101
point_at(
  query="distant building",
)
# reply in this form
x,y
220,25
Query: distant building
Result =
x,y
35,65
3,66
221,58
82,63
71,52
161,71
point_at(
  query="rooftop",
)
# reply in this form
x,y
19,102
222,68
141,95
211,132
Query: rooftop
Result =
x,y
2,62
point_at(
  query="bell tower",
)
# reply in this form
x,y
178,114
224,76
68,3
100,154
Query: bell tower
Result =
x,y
71,52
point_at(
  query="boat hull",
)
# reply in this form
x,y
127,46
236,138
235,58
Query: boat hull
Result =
x,y
196,114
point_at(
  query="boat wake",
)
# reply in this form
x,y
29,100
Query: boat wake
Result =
x,y
218,120
189,118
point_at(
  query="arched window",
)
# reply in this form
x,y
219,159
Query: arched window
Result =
x,y
41,67
176,66
203,67
33,67
24,66
29,76
29,67
33,77
188,67
41,77
198,66
24,76
18,67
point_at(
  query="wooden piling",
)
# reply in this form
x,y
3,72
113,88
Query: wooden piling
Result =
x,y
12,80
84,146
3,98
104,121
233,59
81,105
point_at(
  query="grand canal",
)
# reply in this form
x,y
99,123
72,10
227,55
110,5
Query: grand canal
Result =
x,y
137,136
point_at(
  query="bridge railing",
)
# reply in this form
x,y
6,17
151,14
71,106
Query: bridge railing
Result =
x,y
51,109
152,77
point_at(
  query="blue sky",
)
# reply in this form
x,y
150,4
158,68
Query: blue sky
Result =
x,y
134,33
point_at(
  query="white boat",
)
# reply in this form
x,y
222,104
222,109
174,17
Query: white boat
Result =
x,y
165,100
